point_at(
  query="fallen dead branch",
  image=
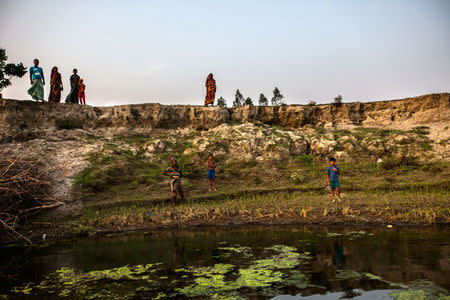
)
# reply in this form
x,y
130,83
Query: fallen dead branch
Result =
x,y
24,191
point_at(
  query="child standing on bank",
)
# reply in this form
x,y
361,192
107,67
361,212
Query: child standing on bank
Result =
x,y
211,172
333,174
81,96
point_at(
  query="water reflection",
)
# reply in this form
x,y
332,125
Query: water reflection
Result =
x,y
338,251
368,265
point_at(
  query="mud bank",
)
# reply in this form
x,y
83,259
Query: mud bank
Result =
x,y
28,119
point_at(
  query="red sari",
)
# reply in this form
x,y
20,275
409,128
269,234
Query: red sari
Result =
x,y
210,90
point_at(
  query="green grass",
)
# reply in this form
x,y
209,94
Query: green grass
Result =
x,y
67,124
413,207
118,168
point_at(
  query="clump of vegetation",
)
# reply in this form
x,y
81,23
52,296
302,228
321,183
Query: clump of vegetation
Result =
x,y
298,177
221,102
67,124
118,168
277,98
421,130
24,191
248,101
238,99
402,162
10,70
262,101
338,100
312,103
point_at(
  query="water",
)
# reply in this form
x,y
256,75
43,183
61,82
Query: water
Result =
x,y
255,263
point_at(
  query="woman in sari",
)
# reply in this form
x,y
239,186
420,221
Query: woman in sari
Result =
x,y
210,90
56,86
73,95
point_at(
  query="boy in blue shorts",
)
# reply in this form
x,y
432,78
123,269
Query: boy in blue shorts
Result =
x,y
211,172
333,173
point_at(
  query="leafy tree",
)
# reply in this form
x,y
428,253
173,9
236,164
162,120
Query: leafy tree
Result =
x,y
277,98
238,99
312,103
221,102
248,101
263,100
338,100
7,71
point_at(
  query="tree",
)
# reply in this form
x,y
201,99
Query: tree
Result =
x,y
312,103
338,100
248,101
263,100
277,98
221,102
7,71
238,99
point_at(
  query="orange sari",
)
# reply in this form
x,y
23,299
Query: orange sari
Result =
x,y
210,90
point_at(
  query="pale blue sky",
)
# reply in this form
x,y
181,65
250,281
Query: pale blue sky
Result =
x,y
162,51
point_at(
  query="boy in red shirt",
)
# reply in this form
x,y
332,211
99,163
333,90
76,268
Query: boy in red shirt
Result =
x,y
81,88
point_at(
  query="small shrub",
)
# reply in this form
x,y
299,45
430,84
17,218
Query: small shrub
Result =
x,y
67,124
338,100
404,161
307,159
221,102
421,130
238,99
312,103
248,101
277,98
263,100
298,177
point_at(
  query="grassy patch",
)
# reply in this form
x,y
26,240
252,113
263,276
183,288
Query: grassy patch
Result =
x,y
118,168
67,124
412,207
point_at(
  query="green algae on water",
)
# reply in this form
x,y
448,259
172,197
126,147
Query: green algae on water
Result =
x,y
347,274
76,283
420,289
258,277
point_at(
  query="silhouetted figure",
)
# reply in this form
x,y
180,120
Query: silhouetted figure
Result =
x,y
73,95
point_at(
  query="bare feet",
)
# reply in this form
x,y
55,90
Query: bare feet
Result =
x,y
334,200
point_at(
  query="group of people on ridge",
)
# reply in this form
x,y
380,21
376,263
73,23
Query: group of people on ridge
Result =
x,y
37,79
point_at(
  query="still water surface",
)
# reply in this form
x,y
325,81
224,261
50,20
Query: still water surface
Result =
x,y
245,263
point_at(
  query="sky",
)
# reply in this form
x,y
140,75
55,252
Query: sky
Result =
x,y
161,51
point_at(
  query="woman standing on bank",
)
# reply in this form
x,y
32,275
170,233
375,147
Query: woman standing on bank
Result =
x,y
56,86
210,90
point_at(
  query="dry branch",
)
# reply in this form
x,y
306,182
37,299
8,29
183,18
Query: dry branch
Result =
x,y
24,191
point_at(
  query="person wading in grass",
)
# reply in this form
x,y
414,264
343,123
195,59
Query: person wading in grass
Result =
x,y
175,173
211,164
37,79
333,174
